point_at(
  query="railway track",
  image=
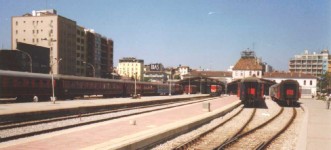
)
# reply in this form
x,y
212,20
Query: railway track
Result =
x,y
220,132
238,130
15,130
261,136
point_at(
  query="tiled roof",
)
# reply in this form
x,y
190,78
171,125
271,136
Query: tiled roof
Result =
x,y
247,64
287,75
211,73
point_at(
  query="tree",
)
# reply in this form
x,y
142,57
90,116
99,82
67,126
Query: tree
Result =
x,y
324,82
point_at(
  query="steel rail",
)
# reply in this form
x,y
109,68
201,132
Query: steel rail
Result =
x,y
236,138
287,125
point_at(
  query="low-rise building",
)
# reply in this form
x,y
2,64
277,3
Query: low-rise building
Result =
x,y
155,73
130,67
247,66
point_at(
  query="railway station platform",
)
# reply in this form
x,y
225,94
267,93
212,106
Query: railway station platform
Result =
x,y
15,108
316,131
121,133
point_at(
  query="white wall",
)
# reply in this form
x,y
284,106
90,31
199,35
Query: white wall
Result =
x,y
238,74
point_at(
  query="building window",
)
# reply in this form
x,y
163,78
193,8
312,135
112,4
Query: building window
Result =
x,y
16,32
16,23
304,82
311,82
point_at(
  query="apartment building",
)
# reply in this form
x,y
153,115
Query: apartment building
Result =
x,y
81,51
310,63
46,28
130,67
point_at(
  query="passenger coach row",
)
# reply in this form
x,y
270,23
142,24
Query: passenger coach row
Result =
x,y
26,85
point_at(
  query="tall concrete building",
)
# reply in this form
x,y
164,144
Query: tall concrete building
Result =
x,y
131,67
71,43
80,51
46,28
310,63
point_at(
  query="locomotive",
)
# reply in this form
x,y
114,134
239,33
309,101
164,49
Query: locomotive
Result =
x,y
215,90
24,86
286,92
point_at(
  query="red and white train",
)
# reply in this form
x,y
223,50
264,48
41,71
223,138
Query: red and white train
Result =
x,y
215,90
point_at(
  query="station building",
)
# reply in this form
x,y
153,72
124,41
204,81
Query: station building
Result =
x,y
67,41
247,66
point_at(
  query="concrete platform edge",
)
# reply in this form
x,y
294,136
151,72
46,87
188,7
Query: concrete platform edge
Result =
x,y
302,140
154,136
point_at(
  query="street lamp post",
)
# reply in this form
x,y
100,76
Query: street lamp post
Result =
x,y
170,85
28,56
189,84
53,91
135,84
200,83
91,66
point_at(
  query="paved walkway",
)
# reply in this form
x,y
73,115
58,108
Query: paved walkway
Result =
x,y
46,106
95,134
318,125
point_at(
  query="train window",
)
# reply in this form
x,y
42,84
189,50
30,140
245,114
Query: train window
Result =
x,y
72,83
30,83
26,82
20,82
39,83
10,82
3,81
45,83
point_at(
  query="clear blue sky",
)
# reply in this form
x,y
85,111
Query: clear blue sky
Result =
x,y
206,33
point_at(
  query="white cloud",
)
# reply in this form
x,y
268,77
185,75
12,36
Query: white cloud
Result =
x,y
211,13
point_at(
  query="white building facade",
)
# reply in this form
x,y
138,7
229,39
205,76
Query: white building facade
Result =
x,y
310,63
131,67
183,70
